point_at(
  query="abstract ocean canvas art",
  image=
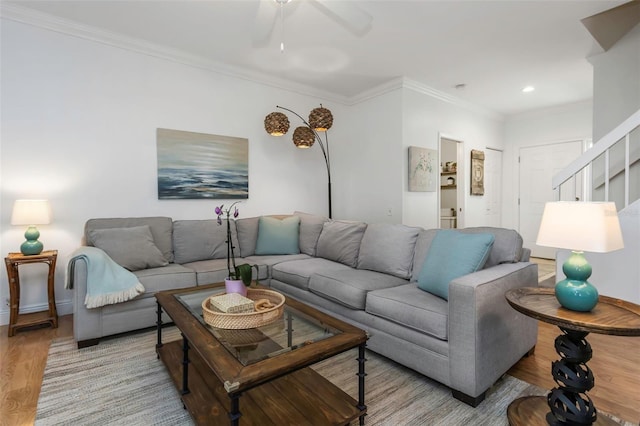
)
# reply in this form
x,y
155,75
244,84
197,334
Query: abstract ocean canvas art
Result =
x,y
202,166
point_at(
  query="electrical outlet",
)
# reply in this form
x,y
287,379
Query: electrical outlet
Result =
x,y
6,301
390,211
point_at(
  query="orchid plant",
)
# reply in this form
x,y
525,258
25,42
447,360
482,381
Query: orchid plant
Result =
x,y
236,272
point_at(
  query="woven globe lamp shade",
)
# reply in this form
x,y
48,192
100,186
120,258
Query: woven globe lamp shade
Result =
x,y
276,124
303,137
320,119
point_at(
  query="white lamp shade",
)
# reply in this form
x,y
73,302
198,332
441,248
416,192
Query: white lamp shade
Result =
x,y
31,212
580,226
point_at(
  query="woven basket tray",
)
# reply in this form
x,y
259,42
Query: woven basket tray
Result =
x,y
246,320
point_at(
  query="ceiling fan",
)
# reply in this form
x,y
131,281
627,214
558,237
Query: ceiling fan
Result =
x,y
345,13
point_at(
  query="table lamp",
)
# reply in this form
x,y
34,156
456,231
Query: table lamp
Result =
x,y
579,226
31,213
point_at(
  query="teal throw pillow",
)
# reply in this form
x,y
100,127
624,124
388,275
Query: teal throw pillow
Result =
x,y
452,254
277,236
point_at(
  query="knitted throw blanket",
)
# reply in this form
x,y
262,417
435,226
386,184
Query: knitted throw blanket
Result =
x,y
107,282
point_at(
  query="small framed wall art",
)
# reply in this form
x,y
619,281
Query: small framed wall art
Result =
x,y
422,169
477,172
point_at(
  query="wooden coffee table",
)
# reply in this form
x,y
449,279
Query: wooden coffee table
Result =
x,y
572,375
268,366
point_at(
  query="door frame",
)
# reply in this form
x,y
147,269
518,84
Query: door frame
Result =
x,y
460,181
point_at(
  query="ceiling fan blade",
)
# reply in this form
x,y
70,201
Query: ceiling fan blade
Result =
x,y
351,16
265,21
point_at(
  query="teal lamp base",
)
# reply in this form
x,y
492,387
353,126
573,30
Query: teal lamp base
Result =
x,y
575,292
32,246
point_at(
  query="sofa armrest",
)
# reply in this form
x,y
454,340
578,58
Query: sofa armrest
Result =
x,y
87,323
486,335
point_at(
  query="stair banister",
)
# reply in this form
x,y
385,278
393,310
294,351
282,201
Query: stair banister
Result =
x,y
606,142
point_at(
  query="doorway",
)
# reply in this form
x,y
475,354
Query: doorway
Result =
x,y
451,189
538,165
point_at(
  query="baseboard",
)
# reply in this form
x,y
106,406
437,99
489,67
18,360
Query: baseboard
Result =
x,y
64,308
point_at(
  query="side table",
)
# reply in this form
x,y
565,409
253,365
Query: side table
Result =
x,y
568,403
16,319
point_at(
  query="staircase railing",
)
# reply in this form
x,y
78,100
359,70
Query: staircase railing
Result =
x,y
611,165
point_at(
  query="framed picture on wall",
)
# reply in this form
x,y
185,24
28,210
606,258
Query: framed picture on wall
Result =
x,y
201,166
477,172
422,169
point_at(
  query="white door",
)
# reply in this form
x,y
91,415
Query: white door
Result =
x,y
493,187
538,165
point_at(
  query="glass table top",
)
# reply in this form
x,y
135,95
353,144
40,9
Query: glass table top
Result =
x,y
292,330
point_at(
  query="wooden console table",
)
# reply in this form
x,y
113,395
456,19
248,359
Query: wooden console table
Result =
x,y
16,319
569,401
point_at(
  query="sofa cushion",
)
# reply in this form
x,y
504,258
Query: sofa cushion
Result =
x,y
132,247
423,243
340,241
388,248
161,229
247,230
168,277
278,236
210,271
452,254
350,287
507,246
265,263
195,240
411,307
298,272
310,229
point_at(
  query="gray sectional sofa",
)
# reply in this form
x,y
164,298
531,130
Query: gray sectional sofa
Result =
x,y
370,275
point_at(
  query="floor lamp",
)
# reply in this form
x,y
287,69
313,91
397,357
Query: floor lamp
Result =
x,y
320,120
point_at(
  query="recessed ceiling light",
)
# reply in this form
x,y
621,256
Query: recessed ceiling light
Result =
x,y
528,89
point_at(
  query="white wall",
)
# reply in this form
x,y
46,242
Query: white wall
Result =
x,y
79,123
424,119
616,83
372,162
541,127
369,160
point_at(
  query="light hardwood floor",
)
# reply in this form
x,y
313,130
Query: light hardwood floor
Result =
x,y
615,363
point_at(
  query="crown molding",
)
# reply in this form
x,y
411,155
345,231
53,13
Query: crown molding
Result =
x,y
445,97
49,22
384,88
35,18
406,83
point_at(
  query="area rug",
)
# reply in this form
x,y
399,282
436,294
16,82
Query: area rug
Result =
x,y
121,382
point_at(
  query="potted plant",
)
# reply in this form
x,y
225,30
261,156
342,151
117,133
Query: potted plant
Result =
x,y
239,277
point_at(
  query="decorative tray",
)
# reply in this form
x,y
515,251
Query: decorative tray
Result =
x,y
245,320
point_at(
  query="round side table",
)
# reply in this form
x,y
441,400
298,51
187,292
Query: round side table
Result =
x,y
569,403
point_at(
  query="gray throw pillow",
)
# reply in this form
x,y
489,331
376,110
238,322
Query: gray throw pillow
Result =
x,y
340,241
247,229
388,248
195,240
132,248
310,229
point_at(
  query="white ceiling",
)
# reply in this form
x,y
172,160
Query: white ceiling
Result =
x,y
494,47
